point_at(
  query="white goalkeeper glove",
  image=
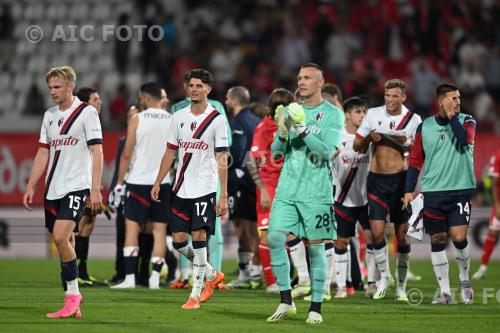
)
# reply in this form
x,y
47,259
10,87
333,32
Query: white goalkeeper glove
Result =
x,y
118,193
298,117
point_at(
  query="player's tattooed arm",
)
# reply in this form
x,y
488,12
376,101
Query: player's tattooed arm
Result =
x,y
39,165
128,150
253,168
97,166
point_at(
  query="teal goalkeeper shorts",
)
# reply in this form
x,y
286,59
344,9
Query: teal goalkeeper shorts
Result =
x,y
305,220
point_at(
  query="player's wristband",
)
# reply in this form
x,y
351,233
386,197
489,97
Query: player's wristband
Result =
x,y
301,128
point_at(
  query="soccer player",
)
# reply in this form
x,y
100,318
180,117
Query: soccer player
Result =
x,y
351,203
119,275
87,223
71,143
216,241
332,93
265,172
199,136
307,136
494,228
164,101
391,129
241,189
144,147
444,146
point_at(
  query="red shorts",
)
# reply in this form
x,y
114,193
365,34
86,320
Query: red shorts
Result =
x,y
263,214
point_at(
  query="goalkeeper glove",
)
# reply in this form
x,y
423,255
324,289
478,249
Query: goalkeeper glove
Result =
x,y
298,116
279,118
118,193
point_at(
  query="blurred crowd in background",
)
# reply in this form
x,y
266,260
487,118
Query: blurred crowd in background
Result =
x,y
261,43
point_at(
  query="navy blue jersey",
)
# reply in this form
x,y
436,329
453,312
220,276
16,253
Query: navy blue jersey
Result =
x,y
242,128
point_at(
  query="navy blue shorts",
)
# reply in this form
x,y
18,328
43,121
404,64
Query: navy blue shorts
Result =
x,y
442,212
70,207
347,217
193,214
140,208
241,204
385,197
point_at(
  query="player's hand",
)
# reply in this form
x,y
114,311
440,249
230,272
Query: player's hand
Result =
x,y
408,197
374,136
279,118
155,192
118,193
95,201
449,107
265,199
222,205
298,117
28,197
297,113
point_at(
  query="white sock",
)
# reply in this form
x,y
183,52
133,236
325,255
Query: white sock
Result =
x,y
188,252
340,263
463,260
329,264
402,263
72,287
441,267
244,264
157,262
370,265
382,262
298,254
199,265
349,263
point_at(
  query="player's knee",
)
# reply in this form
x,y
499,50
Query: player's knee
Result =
x,y
60,239
276,239
460,244
439,239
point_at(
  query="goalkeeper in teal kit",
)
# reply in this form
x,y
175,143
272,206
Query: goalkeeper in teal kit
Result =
x,y
308,136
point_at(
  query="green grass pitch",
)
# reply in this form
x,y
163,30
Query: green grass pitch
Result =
x,y
29,288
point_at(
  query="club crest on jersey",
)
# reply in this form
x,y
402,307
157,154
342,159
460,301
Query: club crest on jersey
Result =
x,y
319,116
50,123
182,125
193,126
379,122
392,125
60,122
442,136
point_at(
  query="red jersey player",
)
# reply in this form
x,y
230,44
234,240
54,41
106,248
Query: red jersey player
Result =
x,y
265,172
494,228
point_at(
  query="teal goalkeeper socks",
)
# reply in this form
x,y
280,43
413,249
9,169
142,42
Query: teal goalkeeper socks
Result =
x,y
215,246
317,258
280,264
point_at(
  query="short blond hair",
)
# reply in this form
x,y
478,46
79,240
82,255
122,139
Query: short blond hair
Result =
x,y
395,83
67,73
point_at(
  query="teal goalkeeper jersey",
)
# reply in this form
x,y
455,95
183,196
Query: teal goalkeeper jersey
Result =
x,y
447,165
216,104
307,170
